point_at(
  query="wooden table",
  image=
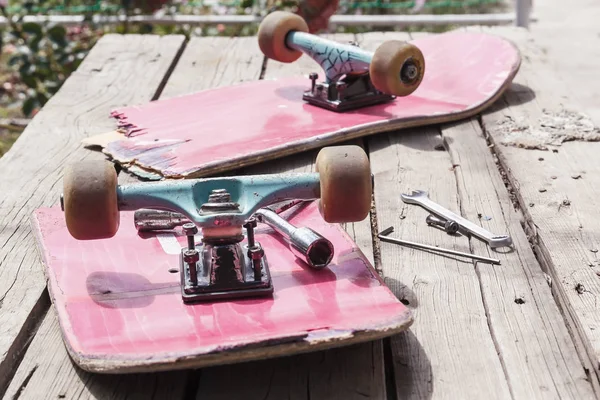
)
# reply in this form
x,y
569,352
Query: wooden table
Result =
x,y
529,328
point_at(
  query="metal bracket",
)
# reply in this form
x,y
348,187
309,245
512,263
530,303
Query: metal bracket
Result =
x,y
223,272
348,93
224,268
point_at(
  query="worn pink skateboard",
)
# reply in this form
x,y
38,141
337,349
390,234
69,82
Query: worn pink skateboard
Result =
x,y
190,273
431,80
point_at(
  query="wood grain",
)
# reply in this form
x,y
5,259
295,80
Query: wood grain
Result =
x,y
353,372
350,373
47,372
557,191
532,339
38,354
31,171
524,324
443,292
211,62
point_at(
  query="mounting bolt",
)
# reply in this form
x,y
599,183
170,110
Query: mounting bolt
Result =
x,y
191,258
449,226
313,78
190,230
250,225
340,87
256,253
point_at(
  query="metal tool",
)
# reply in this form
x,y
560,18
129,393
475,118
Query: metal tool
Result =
x,y
420,197
449,227
383,237
305,243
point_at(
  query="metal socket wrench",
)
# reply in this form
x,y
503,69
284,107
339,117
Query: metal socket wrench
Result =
x,y
304,243
450,227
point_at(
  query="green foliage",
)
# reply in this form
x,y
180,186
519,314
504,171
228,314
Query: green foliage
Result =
x,y
44,56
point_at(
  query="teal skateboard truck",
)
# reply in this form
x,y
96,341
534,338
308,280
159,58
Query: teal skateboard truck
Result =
x,y
354,77
229,262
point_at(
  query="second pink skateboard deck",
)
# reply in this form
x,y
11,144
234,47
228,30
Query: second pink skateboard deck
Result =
x,y
222,129
120,309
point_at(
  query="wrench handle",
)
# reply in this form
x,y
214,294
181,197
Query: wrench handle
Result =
x,y
493,240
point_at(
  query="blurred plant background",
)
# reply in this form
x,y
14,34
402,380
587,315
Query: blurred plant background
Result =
x,y
36,58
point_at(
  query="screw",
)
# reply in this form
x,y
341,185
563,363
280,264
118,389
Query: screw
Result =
x,y
250,225
191,257
190,230
256,253
313,78
449,226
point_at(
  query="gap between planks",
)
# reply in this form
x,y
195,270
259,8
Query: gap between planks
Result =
x,y
314,375
344,373
556,192
515,367
32,169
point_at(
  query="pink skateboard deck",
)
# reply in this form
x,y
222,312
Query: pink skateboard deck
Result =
x,y
218,130
120,308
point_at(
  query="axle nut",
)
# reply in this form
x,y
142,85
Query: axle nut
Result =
x,y
191,256
256,252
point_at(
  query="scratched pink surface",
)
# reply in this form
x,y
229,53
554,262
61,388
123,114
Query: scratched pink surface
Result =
x,y
117,299
223,126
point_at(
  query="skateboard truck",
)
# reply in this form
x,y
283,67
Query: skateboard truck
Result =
x,y
344,94
354,77
306,244
228,263
223,267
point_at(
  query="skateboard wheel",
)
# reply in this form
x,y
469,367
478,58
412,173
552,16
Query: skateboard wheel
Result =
x,y
345,176
90,200
272,34
397,68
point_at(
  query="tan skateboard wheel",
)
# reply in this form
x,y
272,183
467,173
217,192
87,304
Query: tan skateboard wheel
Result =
x,y
346,185
273,31
397,68
90,200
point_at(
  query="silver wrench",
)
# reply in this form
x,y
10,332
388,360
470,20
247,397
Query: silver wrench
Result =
x,y
420,197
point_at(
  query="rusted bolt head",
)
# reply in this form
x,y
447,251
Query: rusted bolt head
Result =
x,y
256,252
191,256
190,229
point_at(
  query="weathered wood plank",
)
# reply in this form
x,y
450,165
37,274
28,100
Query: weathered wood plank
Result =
x,y
534,344
353,372
31,171
47,372
450,341
526,326
212,62
347,373
573,29
556,189
181,81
